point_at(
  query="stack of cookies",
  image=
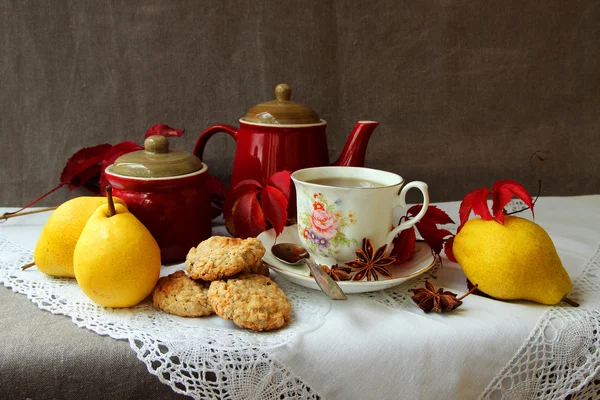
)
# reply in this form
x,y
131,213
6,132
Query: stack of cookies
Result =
x,y
225,276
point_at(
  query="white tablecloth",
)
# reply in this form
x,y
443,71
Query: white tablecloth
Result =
x,y
382,346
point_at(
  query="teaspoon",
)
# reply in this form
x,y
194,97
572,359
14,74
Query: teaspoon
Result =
x,y
293,254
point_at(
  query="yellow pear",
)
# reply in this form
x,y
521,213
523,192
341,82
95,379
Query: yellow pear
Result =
x,y
514,261
53,254
116,259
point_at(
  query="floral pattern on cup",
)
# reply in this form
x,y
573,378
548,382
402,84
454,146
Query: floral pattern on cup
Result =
x,y
323,226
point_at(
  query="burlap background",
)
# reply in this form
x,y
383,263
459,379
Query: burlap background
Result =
x,y
465,91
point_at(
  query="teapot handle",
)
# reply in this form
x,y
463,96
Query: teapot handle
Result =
x,y
207,134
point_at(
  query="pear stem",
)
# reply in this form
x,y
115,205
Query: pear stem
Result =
x,y
7,215
570,302
24,267
474,288
111,203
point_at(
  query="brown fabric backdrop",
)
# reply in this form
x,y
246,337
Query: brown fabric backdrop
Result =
x,y
465,91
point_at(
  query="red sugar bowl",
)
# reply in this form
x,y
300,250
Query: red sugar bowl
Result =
x,y
166,190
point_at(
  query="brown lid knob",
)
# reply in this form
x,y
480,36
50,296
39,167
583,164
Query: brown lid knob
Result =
x,y
283,92
156,144
282,111
156,161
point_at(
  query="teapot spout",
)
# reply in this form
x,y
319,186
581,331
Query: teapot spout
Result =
x,y
353,153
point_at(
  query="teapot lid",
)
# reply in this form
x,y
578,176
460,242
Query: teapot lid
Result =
x,y
282,111
156,160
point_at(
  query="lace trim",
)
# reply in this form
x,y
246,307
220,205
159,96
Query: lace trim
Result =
x,y
205,358
556,359
188,354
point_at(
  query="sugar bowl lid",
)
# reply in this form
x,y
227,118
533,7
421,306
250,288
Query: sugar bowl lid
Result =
x,y
282,111
156,161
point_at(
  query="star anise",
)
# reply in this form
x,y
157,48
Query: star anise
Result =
x,y
370,263
428,299
336,272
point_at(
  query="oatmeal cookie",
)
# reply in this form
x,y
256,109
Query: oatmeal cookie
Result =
x,y
220,257
251,301
180,295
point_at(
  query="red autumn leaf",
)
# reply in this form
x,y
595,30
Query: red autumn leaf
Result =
x,y
247,184
115,152
248,216
274,205
448,249
281,180
260,203
82,160
433,215
427,226
88,178
163,130
475,201
433,235
404,245
503,192
242,187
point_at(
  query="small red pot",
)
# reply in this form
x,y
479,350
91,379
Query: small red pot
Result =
x,y
166,190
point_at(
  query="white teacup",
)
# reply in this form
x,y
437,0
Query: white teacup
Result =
x,y
339,206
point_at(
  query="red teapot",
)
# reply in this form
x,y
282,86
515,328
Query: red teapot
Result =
x,y
284,135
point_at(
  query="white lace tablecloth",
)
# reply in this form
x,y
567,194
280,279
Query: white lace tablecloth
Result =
x,y
373,346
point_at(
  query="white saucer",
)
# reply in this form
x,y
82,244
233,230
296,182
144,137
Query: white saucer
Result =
x,y
421,261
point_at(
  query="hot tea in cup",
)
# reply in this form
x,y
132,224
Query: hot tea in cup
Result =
x,y
339,206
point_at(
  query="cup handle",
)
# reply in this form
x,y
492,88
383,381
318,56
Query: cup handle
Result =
x,y
400,200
